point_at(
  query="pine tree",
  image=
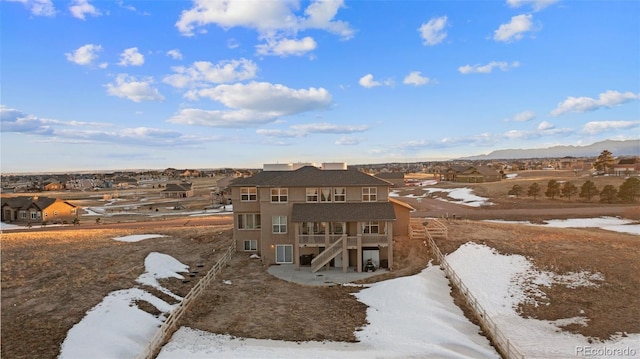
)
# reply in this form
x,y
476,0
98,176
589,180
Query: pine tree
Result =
x,y
608,193
534,190
568,189
588,190
516,190
605,162
553,189
629,190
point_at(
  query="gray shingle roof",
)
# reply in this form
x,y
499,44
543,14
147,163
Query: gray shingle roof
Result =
x,y
310,176
23,202
342,212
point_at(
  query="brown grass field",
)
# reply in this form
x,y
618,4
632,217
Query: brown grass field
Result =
x,y
50,278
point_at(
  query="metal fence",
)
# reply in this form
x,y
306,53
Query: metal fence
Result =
x,y
168,327
498,338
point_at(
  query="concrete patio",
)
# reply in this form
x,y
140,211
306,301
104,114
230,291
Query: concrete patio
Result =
x,y
323,277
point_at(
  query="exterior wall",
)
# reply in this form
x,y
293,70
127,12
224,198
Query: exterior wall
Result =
x,y
267,240
59,211
403,219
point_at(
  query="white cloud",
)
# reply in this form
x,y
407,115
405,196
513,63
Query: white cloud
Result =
x,y
415,78
252,104
80,8
537,5
311,129
324,127
349,141
39,7
522,117
544,125
515,29
368,82
202,73
269,18
596,127
129,87
268,98
286,47
583,104
216,118
131,57
84,55
175,54
432,32
488,68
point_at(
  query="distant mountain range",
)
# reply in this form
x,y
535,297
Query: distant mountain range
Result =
x,y
617,148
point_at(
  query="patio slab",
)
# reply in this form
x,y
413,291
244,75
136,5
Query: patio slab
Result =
x,y
323,277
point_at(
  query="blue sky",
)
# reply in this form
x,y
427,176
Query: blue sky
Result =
x,y
100,85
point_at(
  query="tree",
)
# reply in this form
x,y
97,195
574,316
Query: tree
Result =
x,y
516,190
629,190
588,190
534,190
568,189
608,193
605,161
553,189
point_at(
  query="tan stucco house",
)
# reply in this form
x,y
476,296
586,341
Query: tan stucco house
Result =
x,y
38,210
317,216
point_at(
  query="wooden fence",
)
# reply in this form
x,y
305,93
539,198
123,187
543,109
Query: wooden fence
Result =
x,y
169,326
498,338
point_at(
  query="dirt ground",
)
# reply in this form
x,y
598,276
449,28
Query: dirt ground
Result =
x,y
51,277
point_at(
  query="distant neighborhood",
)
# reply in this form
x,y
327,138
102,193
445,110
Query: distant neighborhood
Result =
x,y
465,171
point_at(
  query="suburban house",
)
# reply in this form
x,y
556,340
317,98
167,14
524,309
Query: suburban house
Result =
x,y
318,216
37,210
626,167
471,174
53,186
177,190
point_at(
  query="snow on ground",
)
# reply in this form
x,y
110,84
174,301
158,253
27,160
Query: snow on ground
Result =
x,y
463,195
409,317
501,282
137,237
606,223
116,327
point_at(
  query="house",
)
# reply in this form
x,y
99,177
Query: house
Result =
x,y
36,209
53,186
177,190
318,216
626,167
471,174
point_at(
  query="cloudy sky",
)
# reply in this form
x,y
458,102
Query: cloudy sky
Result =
x,y
205,84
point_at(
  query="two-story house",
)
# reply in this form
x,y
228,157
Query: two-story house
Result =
x,y
318,216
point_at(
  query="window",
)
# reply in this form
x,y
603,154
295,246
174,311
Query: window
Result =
x,y
284,253
279,195
251,245
248,221
55,213
325,195
337,228
279,224
370,227
34,215
312,195
339,194
23,214
369,194
248,194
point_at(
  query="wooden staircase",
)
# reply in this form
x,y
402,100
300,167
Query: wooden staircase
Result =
x,y
327,255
